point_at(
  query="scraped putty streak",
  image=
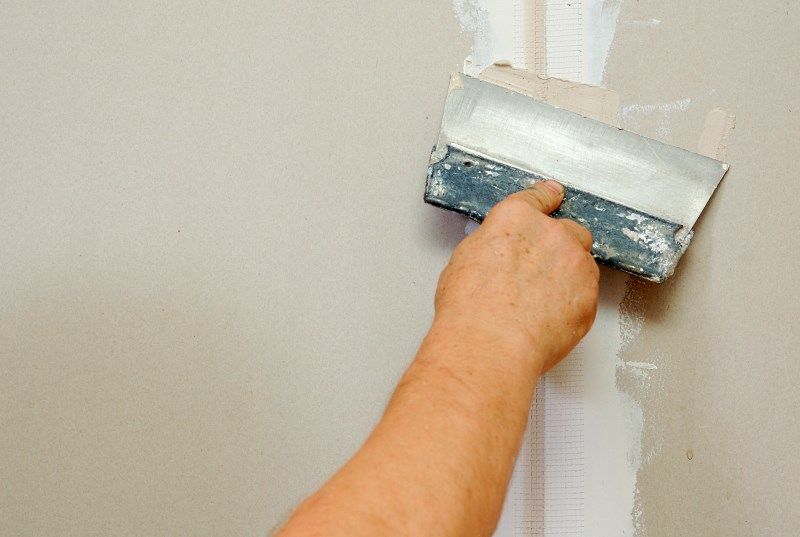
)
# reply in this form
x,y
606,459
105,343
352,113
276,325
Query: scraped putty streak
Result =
x,y
680,105
613,429
600,20
645,24
499,30
473,15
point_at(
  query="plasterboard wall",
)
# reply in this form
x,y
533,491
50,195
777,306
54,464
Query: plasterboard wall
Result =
x,y
216,263
720,432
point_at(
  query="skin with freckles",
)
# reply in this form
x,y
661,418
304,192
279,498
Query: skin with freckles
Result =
x,y
525,274
516,297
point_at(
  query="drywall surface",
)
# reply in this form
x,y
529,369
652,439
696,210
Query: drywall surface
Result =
x,y
720,428
215,261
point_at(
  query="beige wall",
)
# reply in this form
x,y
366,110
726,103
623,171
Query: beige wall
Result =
x,y
724,332
214,256
215,261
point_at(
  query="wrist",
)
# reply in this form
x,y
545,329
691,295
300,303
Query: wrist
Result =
x,y
485,341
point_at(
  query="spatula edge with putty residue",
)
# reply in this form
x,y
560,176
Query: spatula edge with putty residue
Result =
x,y
639,197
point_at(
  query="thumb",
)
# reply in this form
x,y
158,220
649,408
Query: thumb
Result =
x,y
544,196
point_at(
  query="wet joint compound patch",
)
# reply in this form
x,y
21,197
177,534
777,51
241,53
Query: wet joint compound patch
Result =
x,y
577,471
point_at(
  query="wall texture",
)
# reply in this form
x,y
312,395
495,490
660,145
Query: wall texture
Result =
x,y
720,429
214,257
215,262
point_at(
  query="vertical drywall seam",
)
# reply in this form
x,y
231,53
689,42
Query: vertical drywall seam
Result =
x,y
564,36
600,24
530,50
539,39
473,15
521,60
551,38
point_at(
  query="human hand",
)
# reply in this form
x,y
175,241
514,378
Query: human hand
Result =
x,y
523,279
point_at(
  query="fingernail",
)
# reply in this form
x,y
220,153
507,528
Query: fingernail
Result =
x,y
554,186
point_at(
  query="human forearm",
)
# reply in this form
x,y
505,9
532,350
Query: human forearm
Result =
x,y
439,461
515,298
465,399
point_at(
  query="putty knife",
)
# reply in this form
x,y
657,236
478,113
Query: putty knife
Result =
x,y
639,197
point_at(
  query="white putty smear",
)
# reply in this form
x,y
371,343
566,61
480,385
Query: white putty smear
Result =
x,y
664,111
680,105
511,47
641,365
473,15
719,123
600,23
650,23
611,430
515,32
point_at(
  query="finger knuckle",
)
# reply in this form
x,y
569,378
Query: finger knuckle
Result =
x,y
593,291
590,317
595,268
536,197
552,228
587,234
576,255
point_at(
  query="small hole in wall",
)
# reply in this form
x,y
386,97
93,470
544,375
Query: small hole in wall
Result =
x,y
468,163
